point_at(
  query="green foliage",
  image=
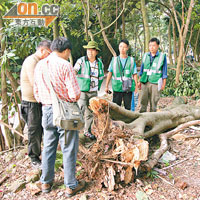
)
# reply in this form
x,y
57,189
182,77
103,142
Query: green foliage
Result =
x,y
189,83
171,176
59,158
59,161
152,174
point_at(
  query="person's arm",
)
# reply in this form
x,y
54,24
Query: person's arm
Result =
x,y
136,82
135,77
72,84
29,65
164,73
35,86
109,76
77,66
140,74
163,84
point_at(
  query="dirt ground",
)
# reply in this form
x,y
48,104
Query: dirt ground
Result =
x,y
178,179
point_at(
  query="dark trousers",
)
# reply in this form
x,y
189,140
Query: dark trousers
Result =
x,y
32,115
125,96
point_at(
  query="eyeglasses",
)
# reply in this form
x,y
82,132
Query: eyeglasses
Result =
x,y
49,52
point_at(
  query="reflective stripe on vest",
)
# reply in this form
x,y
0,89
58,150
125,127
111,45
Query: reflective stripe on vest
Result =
x,y
83,66
114,68
152,71
159,62
144,58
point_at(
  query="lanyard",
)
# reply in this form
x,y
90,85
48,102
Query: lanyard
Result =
x,y
124,64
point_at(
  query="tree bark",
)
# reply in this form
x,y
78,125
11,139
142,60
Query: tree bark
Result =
x,y
196,44
123,22
103,32
183,30
4,109
147,124
86,19
146,25
2,141
65,34
4,97
13,83
169,39
116,13
56,25
164,145
174,40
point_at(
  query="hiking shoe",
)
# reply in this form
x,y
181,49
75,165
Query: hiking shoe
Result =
x,y
70,192
90,135
36,164
46,187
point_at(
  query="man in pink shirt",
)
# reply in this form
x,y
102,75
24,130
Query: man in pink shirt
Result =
x,y
63,79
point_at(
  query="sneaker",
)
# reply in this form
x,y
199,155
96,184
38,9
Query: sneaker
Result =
x,y
70,192
36,164
90,135
46,187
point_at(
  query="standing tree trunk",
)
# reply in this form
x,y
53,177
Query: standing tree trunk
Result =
x,y
4,109
146,26
188,44
169,39
65,35
123,22
183,30
2,141
56,28
116,14
56,25
103,32
4,97
13,83
196,44
174,39
86,21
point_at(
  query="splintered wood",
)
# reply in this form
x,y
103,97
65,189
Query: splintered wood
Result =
x,y
114,155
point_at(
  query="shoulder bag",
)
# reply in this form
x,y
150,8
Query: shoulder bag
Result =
x,y
66,115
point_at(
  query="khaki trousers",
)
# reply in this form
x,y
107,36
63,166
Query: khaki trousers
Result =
x,y
83,103
150,94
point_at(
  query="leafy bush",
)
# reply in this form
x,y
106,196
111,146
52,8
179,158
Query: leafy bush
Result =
x,y
189,83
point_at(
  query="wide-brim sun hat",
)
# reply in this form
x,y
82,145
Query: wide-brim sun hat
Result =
x,y
92,45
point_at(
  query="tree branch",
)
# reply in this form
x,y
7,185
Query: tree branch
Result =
x,y
103,29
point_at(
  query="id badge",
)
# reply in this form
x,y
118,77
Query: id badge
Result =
x,y
92,84
149,73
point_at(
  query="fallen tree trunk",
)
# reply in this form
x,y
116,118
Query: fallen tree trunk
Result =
x,y
164,145
145,125
120,144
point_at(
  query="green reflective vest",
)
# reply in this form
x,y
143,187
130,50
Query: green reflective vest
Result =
x,y
83,76
152,72
127,72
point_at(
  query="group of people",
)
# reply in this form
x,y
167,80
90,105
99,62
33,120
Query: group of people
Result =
x,y
79,84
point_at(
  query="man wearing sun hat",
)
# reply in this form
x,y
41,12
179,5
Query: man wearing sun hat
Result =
x,y
90,74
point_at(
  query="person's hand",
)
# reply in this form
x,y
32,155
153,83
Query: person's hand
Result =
x,y
163,87
139,85
136,90
106,90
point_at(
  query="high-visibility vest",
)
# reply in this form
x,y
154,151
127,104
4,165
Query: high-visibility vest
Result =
x,y
83,76
127,72
152,72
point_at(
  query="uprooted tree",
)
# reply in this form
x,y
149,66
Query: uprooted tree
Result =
x,y
120,144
